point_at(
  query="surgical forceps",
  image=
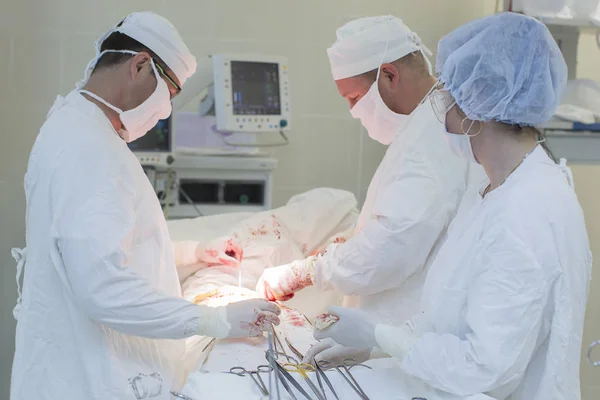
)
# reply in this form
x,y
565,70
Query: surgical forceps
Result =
x,y
255,375
347,365
181,396
270,356
281,351
589,354
302,369
319,372
272,364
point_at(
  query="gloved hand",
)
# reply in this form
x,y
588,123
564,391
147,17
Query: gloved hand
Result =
x,y
223,250
247,318
359,329
280,283
355,328
334,354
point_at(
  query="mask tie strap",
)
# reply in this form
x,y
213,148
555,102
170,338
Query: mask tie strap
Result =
x,y
567,171
424,50
92,64
20,256
101,100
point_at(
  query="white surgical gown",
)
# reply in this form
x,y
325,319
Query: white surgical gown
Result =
x,y
414,195
504,301
101,305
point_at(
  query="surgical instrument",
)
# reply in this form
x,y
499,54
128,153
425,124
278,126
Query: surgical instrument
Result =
x,y
255,375
278,376
347,365
301,357
288,376
302,369
293,349
289,358
589,354
274,370
322,374
319,372
180,396
208,344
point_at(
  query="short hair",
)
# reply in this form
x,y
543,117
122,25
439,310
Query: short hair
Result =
x,y
415,61
120,41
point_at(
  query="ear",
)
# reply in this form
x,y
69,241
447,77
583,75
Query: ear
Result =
x,y
390,74
137,64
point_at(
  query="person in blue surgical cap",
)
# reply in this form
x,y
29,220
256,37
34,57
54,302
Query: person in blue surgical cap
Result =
x,y
504,301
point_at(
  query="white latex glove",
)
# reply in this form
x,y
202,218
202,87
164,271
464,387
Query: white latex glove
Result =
x,y
247,318
280,283
334,354
224,250
357,328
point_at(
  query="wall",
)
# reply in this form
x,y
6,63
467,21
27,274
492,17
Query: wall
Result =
x,y
587,186
45,46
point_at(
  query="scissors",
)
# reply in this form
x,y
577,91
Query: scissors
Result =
x,y
302,369
255,375
589,354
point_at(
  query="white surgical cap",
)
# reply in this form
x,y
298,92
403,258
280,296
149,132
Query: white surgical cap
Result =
x,y
506,67
364,44
157,34
160,36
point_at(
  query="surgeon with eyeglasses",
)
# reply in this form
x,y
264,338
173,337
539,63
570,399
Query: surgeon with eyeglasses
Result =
x,y
101,314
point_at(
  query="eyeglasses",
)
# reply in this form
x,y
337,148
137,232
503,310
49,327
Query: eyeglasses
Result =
x,y
168,78
441,102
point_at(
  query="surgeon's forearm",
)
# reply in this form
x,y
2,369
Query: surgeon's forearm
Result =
x,y
127,303
393,340
382,256
184,252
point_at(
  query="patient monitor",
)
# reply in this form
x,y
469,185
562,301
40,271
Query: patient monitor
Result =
x,y
246,93
251,93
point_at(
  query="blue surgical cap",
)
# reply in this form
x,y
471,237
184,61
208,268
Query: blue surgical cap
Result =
x,y
506,67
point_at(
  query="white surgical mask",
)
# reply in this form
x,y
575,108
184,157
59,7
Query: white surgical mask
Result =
x,y
381,123
460,145
139,120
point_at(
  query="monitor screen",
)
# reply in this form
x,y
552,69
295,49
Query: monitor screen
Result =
x,y
255,88
158,139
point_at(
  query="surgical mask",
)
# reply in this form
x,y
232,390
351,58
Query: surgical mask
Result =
x,y
460,145
139,120
381,123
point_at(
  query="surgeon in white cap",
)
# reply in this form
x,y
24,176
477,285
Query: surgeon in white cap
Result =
x,y
101,314
382,69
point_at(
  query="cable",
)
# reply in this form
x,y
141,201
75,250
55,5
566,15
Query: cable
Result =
x,y
168,192
189,200
150,172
